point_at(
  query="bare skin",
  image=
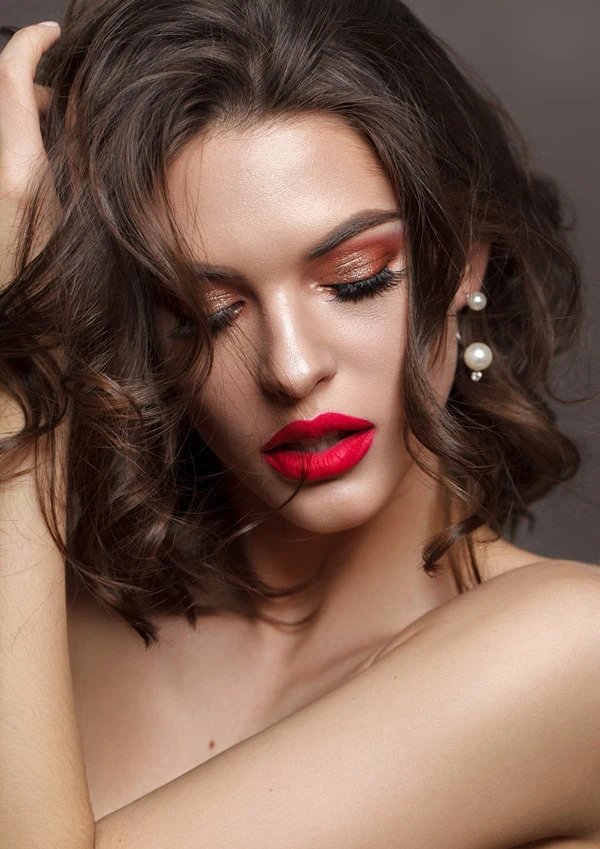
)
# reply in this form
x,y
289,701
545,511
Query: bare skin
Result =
x,y
310,722
510,648
215,687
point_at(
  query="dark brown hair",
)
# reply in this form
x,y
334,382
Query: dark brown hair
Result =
x,y
149,525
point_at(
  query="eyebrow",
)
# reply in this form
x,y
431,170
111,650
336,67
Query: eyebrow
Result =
x,y
357,223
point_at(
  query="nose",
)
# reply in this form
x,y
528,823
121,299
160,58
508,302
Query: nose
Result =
x,y
296,351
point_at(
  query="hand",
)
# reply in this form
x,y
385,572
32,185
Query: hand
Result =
x,y
22,153
22,150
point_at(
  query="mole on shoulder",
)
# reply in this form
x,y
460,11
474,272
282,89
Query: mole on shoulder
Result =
x,y
212,744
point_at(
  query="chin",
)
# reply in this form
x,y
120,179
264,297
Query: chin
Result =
x,y
332,506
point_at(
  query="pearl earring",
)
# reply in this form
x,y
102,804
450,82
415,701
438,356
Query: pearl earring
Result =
x,y
477,356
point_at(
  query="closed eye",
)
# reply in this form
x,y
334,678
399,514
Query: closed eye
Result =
x,y
380,283
358,290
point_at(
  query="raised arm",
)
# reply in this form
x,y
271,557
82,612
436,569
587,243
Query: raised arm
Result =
x,y
482,731
44,800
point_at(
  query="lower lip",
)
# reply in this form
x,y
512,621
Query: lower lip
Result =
x,y
319,465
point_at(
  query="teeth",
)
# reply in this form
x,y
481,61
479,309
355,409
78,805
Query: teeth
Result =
x,y
315,445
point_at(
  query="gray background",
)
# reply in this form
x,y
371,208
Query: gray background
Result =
x,y
541,58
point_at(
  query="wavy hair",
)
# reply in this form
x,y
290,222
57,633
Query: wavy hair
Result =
x,y
149,524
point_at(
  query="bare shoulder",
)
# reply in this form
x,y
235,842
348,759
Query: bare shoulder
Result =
x,y
546,572
545,588
542,622
556,567
564,592
555,603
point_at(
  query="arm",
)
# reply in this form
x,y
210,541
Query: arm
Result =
x,y
44,800
479,733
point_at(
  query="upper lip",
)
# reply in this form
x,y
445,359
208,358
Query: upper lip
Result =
x,y
325,423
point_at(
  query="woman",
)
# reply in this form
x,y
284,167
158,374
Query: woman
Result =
x,y
271,223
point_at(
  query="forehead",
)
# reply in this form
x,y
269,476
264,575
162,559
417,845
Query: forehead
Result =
x,y
284,182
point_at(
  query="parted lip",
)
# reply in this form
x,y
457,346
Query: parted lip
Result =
x,y
305,429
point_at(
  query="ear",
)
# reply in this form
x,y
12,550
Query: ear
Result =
x,y
479,256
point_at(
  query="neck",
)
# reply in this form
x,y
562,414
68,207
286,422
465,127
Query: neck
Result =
x,y
370,580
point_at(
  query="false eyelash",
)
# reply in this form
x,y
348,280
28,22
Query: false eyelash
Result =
x,y
182,330
380,283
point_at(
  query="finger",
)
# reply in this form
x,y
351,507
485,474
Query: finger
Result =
x,y
43,93
21,143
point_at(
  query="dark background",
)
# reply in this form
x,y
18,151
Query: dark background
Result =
x,y
541,57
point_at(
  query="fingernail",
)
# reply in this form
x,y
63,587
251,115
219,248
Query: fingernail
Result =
x,y
49,24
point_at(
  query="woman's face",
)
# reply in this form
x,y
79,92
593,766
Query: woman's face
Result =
x,y
256,204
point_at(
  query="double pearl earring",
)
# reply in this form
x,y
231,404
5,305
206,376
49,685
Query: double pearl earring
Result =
x,y
477,356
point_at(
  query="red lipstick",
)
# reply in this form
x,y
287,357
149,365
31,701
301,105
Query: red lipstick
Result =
x,y
297,461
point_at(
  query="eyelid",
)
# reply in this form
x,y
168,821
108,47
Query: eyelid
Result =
x,y
216,300
365,261
358,274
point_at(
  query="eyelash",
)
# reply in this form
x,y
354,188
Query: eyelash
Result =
x,y
354,292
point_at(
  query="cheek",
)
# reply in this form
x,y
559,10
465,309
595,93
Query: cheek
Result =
x,y
372,342
380,355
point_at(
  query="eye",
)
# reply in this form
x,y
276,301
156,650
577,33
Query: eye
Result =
x,y
358,290
381,282
217,321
